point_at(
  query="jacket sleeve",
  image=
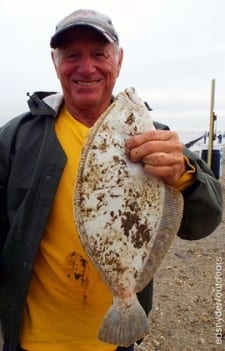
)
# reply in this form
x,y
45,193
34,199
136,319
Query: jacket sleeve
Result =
x,y
7,136
202,202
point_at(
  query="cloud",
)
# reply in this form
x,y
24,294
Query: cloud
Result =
x,y
173,49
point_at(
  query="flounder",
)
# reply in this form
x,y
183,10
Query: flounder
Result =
x,y
126,219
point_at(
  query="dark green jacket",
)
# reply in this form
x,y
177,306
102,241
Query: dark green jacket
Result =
x,y
31,164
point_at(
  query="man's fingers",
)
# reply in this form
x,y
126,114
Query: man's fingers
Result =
x,y
150,135
162,159
150,148
169,174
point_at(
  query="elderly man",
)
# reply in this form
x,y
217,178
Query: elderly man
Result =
x,y
52,297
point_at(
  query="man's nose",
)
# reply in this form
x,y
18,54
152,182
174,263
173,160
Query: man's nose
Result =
x,y
86,65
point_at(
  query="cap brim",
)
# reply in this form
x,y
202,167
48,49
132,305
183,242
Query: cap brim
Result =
x,y
57,38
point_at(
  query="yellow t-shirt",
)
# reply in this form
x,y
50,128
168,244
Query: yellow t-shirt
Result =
x,y
67,298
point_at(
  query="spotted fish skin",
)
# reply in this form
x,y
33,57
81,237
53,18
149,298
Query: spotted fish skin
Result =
x,y
126,219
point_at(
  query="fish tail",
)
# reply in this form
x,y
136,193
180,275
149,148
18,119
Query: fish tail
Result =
x,y
124,323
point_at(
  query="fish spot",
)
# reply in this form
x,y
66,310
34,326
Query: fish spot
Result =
x,y
130,119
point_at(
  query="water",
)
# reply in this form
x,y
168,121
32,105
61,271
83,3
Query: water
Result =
x,y
187,136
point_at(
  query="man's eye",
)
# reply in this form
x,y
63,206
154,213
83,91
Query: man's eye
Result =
x,y
72,56
100,54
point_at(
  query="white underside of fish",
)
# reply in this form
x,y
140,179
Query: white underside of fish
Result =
x,y
126,219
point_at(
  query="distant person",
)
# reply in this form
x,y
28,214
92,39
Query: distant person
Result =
x,y
220,138
52,297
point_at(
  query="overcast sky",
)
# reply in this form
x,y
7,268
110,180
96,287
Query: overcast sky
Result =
x,y
173,50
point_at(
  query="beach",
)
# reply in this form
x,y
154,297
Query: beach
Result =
x,y
189,290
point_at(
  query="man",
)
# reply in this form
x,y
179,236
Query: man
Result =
x,y
51,296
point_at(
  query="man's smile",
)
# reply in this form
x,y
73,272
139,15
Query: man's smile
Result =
x,y
89,83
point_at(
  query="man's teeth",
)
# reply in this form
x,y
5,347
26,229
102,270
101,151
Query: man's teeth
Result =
x,y
87,83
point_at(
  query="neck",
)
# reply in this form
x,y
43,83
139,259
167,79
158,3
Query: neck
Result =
x,y
88,115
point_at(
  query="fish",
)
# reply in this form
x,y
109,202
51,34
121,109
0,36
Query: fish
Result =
x,y
126,219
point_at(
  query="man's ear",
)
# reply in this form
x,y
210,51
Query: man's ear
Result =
x,y
120,61
53,55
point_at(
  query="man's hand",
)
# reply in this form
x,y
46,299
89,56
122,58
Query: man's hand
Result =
x,y
160,151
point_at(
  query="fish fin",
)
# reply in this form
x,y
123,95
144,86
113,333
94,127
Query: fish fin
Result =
x,y
124,324
167,231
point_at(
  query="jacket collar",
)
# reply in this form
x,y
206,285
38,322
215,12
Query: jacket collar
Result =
x,y
45,103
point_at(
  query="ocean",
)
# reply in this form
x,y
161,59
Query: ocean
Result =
x,y
196,140
187,136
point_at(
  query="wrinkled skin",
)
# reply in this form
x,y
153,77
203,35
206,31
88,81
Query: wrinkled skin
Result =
x,y
87,67
161,154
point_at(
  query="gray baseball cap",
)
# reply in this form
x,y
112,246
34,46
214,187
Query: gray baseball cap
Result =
x,y
89,18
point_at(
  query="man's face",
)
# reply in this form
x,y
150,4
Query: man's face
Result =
x,y
87,67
